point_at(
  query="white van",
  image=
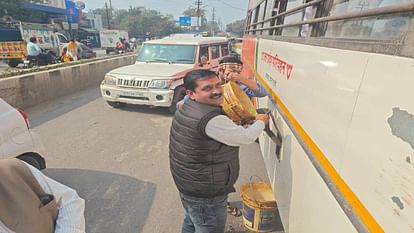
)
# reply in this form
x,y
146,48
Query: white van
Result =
x,y
156,78
109,38
16,138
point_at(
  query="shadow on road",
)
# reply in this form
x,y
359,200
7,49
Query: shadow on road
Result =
x,y
50,110
145,109
114,203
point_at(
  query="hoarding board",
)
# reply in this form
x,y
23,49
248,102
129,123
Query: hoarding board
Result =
x,y
184,21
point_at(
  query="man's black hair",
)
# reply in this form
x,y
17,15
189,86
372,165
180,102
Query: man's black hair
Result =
x,y
33,39
191,78
230,59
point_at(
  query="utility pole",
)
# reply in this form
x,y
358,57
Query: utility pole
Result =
x,y
213,24
107,15
110,7
198,4
219,24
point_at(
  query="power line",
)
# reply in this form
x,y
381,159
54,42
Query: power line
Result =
x,y
227,4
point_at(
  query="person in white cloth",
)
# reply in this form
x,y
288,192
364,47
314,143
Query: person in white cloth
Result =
x,y
31,202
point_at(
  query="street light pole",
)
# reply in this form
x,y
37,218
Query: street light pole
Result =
x,y
107,15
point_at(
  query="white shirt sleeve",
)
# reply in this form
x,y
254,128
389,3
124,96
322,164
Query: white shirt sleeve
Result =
x,y
224,130
71,207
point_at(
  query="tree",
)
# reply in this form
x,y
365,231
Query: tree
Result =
x,y
213,27
236,27
12,8
139,21
17,9
104,13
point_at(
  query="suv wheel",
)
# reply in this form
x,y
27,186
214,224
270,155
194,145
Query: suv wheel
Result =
x,y
33,159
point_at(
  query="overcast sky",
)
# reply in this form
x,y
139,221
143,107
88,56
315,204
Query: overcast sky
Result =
x,y
227,10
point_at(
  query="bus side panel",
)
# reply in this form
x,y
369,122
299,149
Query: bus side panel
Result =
x,y
380,149
249,50
320,91
358,109
302,197
248,57
319,87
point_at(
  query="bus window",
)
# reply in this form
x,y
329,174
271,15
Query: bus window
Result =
x,y
272,5
296,17
215,51
384,27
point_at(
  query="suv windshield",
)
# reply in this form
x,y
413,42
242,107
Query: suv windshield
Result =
x,y
183,54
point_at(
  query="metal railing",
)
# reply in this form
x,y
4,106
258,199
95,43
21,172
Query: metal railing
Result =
x,y
408,7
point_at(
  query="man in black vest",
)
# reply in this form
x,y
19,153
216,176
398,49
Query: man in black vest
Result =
x,y
204,150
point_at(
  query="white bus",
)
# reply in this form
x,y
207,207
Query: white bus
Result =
x,y
340,77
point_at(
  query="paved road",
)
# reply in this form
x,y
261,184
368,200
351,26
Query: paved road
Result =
x,y
117,159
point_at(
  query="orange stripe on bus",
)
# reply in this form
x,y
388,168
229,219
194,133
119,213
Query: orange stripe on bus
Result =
x,y
345,190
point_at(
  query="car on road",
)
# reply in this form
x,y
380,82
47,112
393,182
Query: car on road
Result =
x,y
156,78
16,137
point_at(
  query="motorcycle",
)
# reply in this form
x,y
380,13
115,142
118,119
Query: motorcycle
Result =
x,y
46,57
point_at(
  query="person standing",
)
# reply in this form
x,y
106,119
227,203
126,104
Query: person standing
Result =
x,y
31,202
72,50
230,69
203,151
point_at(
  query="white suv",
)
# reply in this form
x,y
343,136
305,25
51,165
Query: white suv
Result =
x,y
16,138
156,78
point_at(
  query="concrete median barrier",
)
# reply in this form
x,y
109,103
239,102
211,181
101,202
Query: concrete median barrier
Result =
x,y
31,89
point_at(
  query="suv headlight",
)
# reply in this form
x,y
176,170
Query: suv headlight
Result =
x,y
110,80
160,84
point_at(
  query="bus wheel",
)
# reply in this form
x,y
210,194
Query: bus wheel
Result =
x,y
13,62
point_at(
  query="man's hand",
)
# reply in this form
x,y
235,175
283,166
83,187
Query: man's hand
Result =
x,y
233,76
263,117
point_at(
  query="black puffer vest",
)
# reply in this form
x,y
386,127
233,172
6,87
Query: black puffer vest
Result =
x,y
200,166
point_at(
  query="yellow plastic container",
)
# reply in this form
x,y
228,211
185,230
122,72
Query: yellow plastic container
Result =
x,y
237,105
259,207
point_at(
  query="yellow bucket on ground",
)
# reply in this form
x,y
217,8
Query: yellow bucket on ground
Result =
x,y
237,104
259,207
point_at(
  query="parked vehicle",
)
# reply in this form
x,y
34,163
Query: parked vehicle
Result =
x,y
87,52
51,58
16,138
109,38
157,76
14,35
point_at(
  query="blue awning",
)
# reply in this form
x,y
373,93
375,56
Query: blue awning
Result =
x,y
49,9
